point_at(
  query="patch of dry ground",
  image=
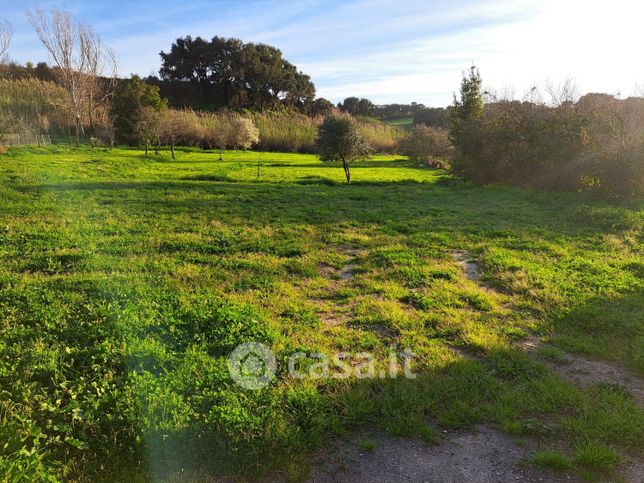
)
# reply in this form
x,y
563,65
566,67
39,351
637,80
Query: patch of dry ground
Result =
x,y
482,455
586,372
331,317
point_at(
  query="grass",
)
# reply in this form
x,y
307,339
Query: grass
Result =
x,y
125,282
592,459
368,444
551,460
597,457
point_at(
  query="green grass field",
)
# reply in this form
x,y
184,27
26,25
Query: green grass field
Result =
x,y
125,282
402,122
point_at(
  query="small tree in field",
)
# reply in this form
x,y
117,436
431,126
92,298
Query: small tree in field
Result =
x,y
340,140
466,110
218,131
148,126
464,120
172,126
130,97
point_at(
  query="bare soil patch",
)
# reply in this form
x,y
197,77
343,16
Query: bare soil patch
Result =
x,y
470,267
482,455
587,372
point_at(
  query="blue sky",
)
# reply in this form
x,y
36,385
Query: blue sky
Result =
x,y
388,51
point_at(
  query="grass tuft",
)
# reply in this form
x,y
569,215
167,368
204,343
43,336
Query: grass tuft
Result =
x,y
551,460
596,456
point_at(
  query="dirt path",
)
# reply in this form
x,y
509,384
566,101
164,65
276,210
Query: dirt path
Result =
x,y
482,455
586,372
572,367
470,267
334,317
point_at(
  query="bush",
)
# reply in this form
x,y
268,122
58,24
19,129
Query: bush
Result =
x,y
223,130
594,144
426,145
567,147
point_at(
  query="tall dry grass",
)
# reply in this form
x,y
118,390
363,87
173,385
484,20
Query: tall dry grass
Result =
x,y
382,138
33,105
288,131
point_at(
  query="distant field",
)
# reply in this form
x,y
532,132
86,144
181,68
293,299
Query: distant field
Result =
x,y
125,282
403,122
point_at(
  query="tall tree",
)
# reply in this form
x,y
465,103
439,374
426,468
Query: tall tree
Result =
x,y
466,112
357,106
231,73
319,107
78,53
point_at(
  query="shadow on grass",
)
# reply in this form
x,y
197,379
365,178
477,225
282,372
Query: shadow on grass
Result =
x,y
206,177
608,328
450,205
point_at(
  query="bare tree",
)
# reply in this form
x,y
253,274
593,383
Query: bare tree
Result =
x,y
218,131
76,49
173,125
6,32
103,66
148,127
563,93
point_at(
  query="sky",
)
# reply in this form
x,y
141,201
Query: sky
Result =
x,y
385,50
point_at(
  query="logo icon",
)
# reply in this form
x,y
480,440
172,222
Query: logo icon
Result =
x,y
252,365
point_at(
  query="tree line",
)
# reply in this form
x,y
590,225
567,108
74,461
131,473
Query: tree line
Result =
x,y
595,142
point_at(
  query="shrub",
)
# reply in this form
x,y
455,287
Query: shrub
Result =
x,y
340,140
595,144
244,133
426,145
227,130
